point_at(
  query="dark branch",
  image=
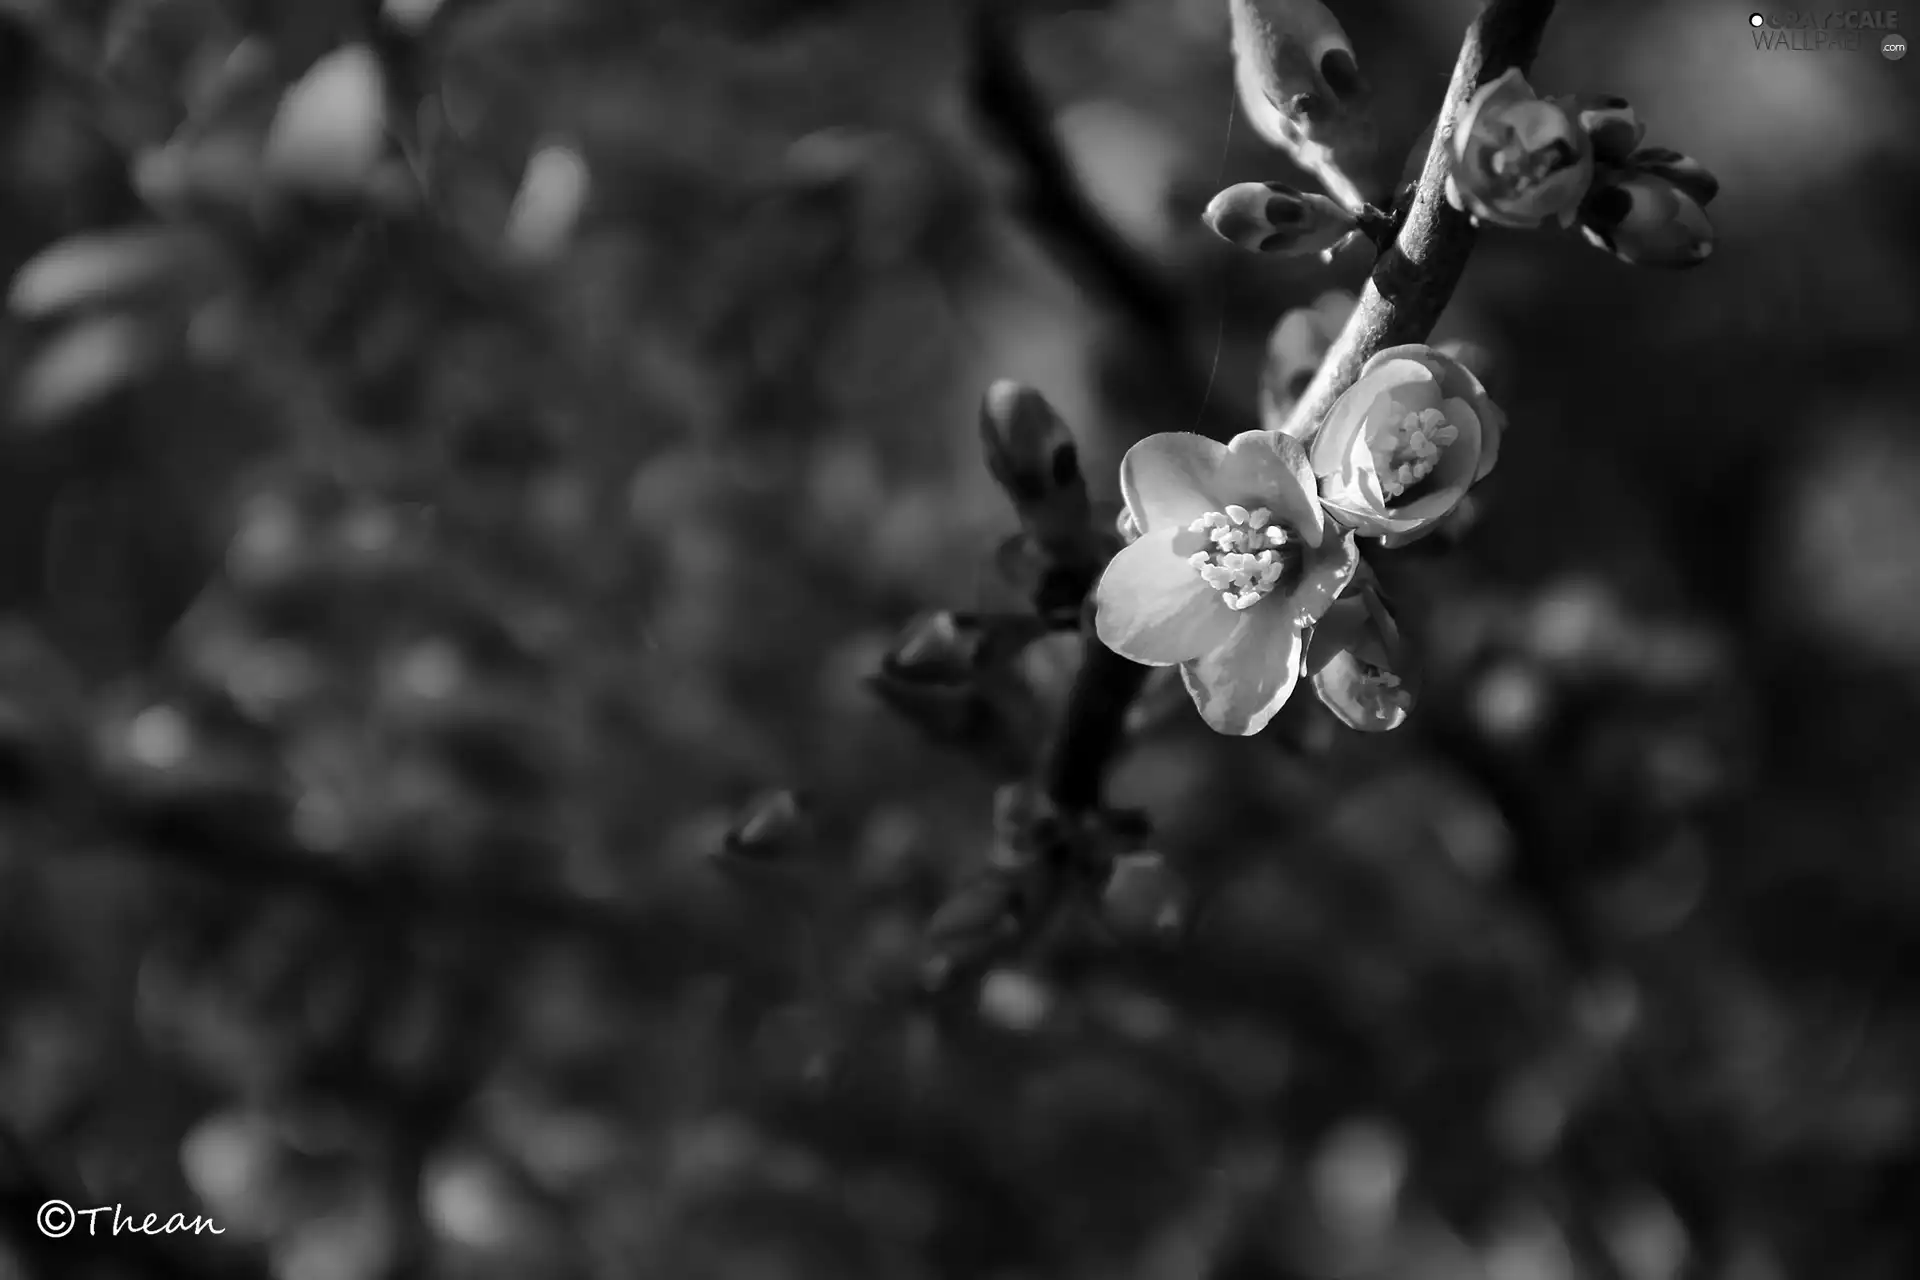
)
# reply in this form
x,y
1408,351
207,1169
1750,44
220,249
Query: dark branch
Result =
x,y
1415,278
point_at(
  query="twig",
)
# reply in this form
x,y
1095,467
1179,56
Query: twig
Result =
x,y
1415,278
1410,286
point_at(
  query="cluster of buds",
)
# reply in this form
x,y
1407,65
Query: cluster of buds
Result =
x,y
1301,88
1520,160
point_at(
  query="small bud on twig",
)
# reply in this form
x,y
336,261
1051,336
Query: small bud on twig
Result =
x,y
1270,217
1031,454
1301,88
769,828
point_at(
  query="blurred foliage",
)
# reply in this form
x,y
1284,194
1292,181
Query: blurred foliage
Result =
x,y
455,496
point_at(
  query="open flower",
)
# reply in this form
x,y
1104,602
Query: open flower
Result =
x,y
1355,659
1405,443
1295,348
1234,560
1518,159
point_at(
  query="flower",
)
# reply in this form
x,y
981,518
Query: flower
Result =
x,y
1518,159
1399,449
1271,217
1653,213
1295,349
1352,658
1235,559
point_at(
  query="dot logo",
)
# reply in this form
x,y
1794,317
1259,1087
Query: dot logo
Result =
x,y
1756,20
1894,48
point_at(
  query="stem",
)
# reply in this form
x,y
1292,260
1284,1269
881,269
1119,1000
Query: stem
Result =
x,y
1415,278
1093,728
1410,286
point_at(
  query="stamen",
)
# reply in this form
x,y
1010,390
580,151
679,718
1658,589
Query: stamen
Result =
x,y
1251,554
1407,451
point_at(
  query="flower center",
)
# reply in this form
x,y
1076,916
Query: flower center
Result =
x,y
1405,452
1251,554
1520,167
1381,689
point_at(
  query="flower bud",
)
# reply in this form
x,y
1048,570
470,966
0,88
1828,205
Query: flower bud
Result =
x,y
1683,171
1053,585
1612,128
1649,221
937,648
950,675
1144,897
768,827
1032,455
976,920
1295,350
1027,826
1352,658
1301,89
1518,159
1270,217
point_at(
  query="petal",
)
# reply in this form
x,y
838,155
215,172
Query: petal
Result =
x,y
1493,425
1325,574
1151,606
1491,98
1343,626
1239,686
1683,171
1397,371
1269,469
1407,365
1165,479
1356,701
1340,427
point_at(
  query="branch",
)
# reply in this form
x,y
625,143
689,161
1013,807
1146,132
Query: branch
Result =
x,y
1414,280
1410,286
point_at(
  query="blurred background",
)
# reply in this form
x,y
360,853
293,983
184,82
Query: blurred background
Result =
x,y
412,557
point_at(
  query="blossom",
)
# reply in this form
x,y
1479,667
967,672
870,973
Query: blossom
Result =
x,y
1518,159
1401,447
1297,345
1234,560
1354,659
1653,213
1271,217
